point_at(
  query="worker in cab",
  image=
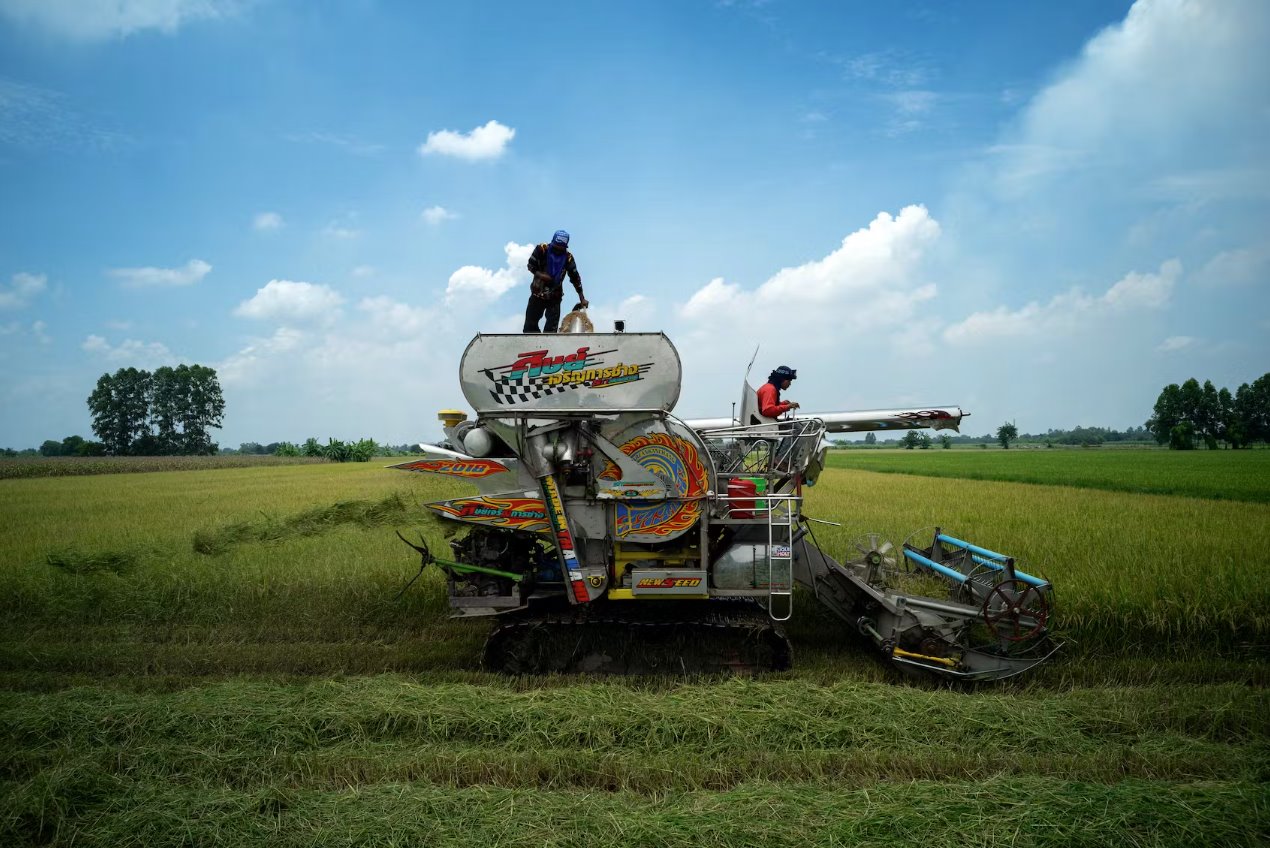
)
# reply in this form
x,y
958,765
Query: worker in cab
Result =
x,y
549,263
770,404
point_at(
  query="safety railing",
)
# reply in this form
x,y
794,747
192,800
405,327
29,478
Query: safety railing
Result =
x,y
782,447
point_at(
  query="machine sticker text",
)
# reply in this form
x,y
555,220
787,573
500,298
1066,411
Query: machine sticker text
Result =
x,y
668,582
519,513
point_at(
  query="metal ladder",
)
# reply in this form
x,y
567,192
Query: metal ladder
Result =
x,y
780,556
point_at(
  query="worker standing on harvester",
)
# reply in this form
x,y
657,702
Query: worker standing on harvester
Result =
x,y
549,263
770,404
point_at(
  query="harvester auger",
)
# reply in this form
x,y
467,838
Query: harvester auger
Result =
x,y
608,535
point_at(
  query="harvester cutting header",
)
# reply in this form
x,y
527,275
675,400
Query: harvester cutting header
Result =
x,y
608,534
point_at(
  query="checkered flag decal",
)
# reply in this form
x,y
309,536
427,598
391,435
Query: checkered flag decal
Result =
x,y
509,391
524,389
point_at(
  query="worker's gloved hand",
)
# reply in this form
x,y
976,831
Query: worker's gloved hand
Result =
x,y
583,303
793,405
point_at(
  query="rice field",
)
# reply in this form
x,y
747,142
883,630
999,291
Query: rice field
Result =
x,y
1242,475
15,468
222,658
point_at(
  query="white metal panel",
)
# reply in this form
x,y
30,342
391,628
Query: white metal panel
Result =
x,y
573,372
935,417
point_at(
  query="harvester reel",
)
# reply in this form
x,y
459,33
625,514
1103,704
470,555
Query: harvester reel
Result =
x,y
1016,610
917,540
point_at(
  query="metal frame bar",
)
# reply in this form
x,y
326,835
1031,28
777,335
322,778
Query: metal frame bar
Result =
x,y
988,558
951,574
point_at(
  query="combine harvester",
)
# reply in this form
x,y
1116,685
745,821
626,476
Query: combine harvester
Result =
x,y
609,535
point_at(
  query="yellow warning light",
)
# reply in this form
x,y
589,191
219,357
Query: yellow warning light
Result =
x,y
450,417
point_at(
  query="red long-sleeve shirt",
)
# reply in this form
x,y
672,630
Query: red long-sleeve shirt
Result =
x,y
770,403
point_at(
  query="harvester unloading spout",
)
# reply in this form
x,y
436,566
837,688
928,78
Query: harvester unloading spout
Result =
x,y
607,534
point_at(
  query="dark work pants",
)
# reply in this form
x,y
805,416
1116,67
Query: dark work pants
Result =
x,y
535,310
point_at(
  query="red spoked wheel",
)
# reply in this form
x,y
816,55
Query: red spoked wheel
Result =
x,y
1016,610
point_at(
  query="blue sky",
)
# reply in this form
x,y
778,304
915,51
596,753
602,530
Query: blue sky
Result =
x,y
1041,212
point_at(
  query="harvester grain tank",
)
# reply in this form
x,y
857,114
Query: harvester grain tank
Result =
x,y
607,534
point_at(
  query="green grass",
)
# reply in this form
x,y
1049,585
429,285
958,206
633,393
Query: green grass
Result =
x,y
1000,811
1220,475
221,658
232,760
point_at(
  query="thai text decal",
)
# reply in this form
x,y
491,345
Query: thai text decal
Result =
x,y
539,374
528,514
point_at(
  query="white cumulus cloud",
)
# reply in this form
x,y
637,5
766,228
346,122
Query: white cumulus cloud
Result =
x,y
473,281
853,316
240,366
392,318
1069,311
872,279
1173,343
1244,266
1144,290
267,221
187,275
340,232
287,300
1170,90
94,20
485,142
130,352
22,288
434,215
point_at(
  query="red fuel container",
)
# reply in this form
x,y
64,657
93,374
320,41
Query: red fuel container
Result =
x,y
741,494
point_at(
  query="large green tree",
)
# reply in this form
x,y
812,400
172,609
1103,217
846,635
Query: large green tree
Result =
x,y
1167,414
167,412
1187,414
203,408
120,407
1209,418
1252,409
1007,433
187,402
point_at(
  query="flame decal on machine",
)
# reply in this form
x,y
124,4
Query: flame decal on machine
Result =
x,y
528,514
925,415
470,469
676,461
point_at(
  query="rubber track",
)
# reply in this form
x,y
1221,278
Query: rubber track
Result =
x,y
681,637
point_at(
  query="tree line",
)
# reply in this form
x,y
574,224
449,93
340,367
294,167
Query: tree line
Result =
x,y
1188,415
1007,433
335,450
338,451
167,412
